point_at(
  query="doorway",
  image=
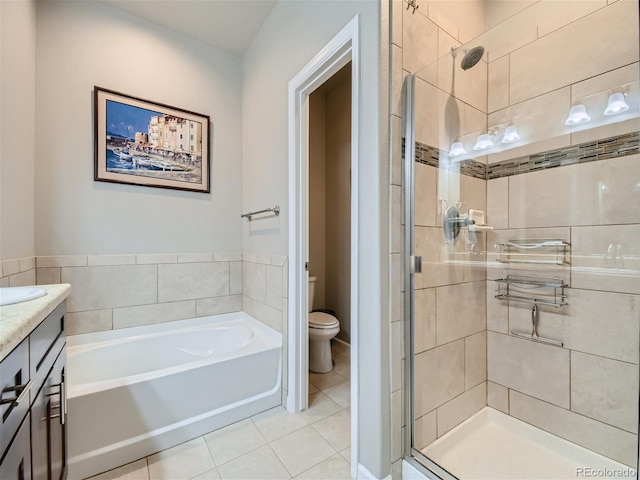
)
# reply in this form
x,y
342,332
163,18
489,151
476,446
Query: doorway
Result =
x,y
329,246
342,50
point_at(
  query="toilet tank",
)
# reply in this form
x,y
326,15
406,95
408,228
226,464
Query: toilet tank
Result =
x,y
312,291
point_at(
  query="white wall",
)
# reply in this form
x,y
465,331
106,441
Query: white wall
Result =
x,y
82,44
17,120
292,35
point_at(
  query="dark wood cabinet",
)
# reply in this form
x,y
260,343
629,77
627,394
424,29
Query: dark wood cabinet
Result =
x,y
33,439
48,425
16,464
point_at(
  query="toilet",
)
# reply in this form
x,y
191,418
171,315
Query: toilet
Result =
x,y
322,328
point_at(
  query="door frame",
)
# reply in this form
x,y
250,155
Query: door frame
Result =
x,y
341,50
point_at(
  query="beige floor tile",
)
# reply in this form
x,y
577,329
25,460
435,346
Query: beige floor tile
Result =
x,y
183,461
132,471
326,380
341,394
343,368
320,406
341,356
346,453
260,464
333,468
302,450
212,474
233,441
278,422
313,389
336,429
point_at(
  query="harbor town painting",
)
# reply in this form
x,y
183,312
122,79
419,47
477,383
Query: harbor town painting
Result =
x,y
150,144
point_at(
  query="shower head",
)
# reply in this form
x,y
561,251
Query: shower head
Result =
x,y
472,57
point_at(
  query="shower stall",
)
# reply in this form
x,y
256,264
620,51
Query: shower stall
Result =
x,y
521,193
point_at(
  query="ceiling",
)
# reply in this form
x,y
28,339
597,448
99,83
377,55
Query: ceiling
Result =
x,y
229,25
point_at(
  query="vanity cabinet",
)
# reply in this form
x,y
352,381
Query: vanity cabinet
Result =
x,y
33,438
16,464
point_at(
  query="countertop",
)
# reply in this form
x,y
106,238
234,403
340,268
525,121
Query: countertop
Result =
x,y
17,321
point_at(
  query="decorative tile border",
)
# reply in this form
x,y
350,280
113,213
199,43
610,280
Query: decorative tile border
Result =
x,y
427,155
612,147
431,156
606,148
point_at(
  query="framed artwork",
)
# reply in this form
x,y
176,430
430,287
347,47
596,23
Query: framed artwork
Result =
x,y
151,144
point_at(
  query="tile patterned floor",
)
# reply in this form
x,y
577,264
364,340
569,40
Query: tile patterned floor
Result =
x,y
271,445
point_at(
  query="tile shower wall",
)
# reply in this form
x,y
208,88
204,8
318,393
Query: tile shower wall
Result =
x,y
450,319
447,333
517,91
586,392
583,189
522,90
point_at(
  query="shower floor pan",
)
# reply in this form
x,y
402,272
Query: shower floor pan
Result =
x,y
492,445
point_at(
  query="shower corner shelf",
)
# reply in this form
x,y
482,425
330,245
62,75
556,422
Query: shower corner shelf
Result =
x,y
544,251
548,291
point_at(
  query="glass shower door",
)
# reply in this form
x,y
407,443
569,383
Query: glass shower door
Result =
x,y
522,265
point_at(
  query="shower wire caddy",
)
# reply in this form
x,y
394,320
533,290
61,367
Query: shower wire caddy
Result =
x,y
544,251
532,290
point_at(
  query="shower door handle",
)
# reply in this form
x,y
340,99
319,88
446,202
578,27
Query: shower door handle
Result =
x,y
416,264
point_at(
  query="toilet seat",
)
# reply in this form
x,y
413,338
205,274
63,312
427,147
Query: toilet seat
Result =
x,y
322,321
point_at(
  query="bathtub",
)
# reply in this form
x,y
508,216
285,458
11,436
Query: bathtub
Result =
x,y
135,391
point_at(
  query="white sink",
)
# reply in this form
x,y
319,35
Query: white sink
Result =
x,y
11,295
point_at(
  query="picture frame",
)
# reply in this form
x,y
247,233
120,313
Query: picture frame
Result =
x,y
151,144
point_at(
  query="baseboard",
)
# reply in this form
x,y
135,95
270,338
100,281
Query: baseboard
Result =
x,y
342,345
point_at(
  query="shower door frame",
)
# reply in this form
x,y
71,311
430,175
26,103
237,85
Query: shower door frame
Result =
x,y
424,465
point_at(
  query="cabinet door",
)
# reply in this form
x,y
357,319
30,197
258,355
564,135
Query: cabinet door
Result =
x,y
49,440
57,409
16,464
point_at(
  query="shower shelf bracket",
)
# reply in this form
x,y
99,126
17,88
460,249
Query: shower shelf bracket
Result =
x,y
538,291
545,251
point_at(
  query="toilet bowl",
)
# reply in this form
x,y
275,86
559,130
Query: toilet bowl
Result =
x,y
322,328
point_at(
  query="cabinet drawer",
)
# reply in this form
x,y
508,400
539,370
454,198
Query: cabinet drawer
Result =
x,y
16,464
45,343
14,371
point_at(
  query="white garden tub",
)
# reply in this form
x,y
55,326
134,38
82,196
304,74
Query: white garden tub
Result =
x,y
135,391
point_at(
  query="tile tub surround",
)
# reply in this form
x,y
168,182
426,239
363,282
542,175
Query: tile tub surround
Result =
x,y
18,320
265,288
18,272
118,291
